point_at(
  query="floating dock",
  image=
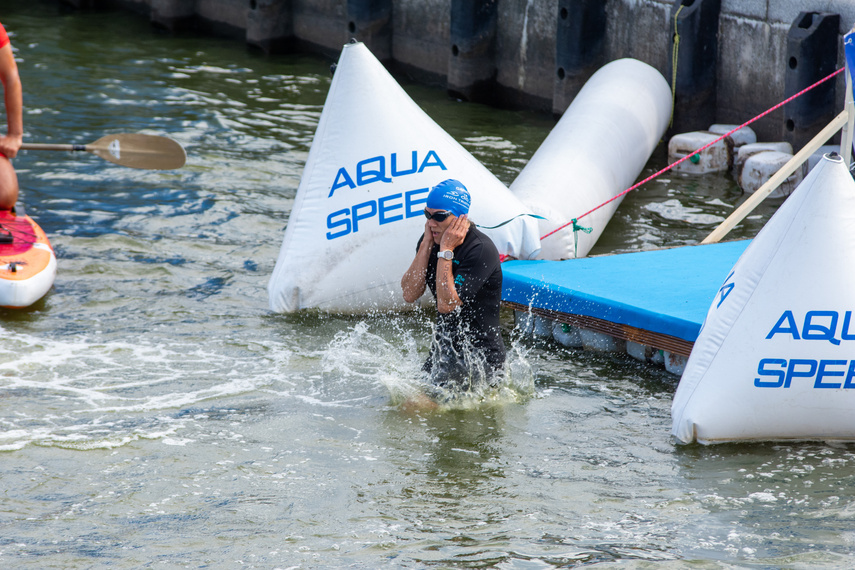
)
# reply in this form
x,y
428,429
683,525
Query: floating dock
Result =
x,y
656,298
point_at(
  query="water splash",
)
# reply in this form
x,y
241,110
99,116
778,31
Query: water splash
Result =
x,y
359,355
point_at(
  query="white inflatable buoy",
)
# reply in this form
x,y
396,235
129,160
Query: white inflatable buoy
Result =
x,y
597,150
775,358
359,208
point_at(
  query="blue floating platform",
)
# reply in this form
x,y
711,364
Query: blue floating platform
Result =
x,y
657,297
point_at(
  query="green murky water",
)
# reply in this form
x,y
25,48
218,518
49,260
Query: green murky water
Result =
x,y
156,414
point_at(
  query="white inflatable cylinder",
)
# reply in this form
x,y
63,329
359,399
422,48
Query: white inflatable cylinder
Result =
x,y
597,150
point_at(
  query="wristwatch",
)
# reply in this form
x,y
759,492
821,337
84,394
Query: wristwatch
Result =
x,y
447,254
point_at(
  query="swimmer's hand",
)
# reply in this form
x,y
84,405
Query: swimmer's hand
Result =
x,y
455,233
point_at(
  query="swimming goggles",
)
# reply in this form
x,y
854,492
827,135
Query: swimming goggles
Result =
x,y
437,216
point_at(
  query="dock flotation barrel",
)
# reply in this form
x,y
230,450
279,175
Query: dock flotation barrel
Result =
x,y
775,358
595,151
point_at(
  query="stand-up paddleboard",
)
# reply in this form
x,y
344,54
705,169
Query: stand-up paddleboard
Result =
x,y
27,261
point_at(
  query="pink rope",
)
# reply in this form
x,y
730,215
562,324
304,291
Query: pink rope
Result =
x,y
672,165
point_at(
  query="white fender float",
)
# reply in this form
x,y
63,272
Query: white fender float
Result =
x,y
357,215
775,358
597,150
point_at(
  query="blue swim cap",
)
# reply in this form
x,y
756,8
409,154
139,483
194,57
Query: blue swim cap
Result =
x,y
450,195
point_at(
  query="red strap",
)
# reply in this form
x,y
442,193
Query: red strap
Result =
x,y
688,156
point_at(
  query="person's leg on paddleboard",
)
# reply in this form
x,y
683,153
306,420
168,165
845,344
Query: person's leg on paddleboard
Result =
x,y
10,144
8,184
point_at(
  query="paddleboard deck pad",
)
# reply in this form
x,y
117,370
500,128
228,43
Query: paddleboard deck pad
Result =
x,y
27,261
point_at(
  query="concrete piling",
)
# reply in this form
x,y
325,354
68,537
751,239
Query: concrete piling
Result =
x,y
579,47
370,22
172,14
812,48
270,25
471,68
692,63
320,26
731,62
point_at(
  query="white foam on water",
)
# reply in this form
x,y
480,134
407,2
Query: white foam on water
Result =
x,y
675,211
89,393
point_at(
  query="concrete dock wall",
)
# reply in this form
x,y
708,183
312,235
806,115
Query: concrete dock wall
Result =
x,y
735,58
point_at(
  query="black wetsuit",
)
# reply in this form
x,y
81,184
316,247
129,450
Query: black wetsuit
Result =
x,y
468,341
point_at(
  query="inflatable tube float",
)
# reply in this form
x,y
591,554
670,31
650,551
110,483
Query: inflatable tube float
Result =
x,y
775,358
359,207
597,150
27,261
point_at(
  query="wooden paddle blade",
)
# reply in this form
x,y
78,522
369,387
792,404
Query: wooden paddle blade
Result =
x,y
139,151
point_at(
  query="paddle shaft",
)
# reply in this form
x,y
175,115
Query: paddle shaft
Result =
x,y
67,147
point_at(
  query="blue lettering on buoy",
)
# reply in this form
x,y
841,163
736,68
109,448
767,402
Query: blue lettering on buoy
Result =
x,y
342,178
815,331
828,373
780,373
373,169
366,175
383,208
339,218
387,209
428,162
396,172
725,290
791,328
817,325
